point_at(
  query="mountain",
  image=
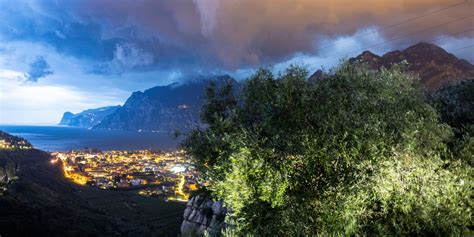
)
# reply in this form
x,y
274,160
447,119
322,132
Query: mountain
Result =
x,y
87,118
431,63
162,108
177,106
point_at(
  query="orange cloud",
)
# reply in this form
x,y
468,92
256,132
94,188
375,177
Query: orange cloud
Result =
x,y
238,33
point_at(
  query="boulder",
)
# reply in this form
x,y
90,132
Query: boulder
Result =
x,y
203,215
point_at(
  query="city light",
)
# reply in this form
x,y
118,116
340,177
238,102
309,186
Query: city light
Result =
x,y
169,175
178,169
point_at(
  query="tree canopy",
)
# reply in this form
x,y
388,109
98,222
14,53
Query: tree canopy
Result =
x,y
358,152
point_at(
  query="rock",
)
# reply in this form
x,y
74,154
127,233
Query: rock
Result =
x,y
201,215
432,64
87,118
218,208
318,75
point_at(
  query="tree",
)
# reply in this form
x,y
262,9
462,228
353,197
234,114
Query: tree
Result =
x,y
358,152
455,103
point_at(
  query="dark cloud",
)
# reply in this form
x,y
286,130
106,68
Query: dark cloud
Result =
x,y
38,69
210,34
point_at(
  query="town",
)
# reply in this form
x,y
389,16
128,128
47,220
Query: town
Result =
x,y
10,142
168,175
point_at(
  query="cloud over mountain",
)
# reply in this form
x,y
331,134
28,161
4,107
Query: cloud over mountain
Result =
x,y
126,57
226,34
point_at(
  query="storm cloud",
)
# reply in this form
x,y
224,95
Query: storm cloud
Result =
x,y
231,34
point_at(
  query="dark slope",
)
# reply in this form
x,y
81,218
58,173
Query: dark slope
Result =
x,y
39,201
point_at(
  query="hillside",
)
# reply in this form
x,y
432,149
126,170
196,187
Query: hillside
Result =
x,y
36,200
40,201
434,65
8,141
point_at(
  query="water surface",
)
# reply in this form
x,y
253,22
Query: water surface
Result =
x,y
62,138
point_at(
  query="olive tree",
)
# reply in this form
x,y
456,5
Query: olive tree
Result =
x,y
358,152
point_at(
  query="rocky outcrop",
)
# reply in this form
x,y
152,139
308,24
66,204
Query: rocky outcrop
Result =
x,y
318,75
201,215
432,64
87,118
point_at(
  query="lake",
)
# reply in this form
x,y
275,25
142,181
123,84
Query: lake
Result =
x,y
62,138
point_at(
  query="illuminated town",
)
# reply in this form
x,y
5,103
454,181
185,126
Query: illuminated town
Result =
x,y
168,175
10,142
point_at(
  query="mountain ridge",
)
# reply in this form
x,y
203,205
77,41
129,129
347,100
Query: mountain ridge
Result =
x,y
177,106
162,108
87,118
431,63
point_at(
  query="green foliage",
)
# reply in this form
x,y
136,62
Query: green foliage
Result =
x,y
408,195
463,148
211,145
357,153
455,102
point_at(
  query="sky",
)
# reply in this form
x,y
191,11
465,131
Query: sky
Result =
x,y
72,55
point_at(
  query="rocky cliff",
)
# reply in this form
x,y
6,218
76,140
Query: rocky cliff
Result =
x,y
201,215
87,118
162,108
431,63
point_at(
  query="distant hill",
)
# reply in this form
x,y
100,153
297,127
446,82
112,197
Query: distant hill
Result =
x,y
431,63
162,108
8,141
87,118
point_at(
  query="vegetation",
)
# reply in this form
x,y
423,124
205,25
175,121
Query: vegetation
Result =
x,y
455,103
359,152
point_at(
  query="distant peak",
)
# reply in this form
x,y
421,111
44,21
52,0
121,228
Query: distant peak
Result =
x,y
423,46
368,53
365,57
433,65
318,75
